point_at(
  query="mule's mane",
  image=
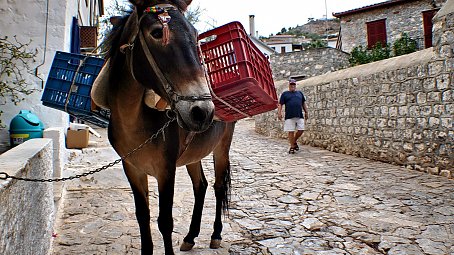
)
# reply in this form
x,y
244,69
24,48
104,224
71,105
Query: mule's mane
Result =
x,y
112,41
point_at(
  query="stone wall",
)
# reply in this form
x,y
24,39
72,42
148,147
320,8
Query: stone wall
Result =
x,y
27,208
404,17
308,63
398,110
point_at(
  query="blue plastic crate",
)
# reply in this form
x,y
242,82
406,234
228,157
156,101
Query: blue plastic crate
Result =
x,y
69,83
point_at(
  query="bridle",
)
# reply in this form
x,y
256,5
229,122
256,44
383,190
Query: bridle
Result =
x,y
161,10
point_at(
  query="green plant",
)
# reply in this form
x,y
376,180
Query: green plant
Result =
x,y
401,46
361,55
317,43
380,52
404,45
15,61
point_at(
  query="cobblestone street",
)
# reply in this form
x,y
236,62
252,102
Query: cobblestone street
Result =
x,y
312,202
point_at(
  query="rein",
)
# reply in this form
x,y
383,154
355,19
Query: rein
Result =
x,y
161,10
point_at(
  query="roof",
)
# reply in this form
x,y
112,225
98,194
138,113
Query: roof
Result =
x,y
371,7
262,44
280,39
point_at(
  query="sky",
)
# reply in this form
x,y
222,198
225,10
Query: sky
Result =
x,y
270,16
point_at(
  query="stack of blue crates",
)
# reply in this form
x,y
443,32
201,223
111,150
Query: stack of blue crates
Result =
x,y
69,83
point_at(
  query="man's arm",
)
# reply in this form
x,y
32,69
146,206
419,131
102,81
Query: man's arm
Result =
x,y
279,111
305,110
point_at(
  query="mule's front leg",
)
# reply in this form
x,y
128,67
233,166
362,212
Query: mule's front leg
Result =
x,y
166,184
199,185
139,185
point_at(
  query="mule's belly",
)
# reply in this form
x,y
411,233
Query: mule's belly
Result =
x,y
196,151
192,155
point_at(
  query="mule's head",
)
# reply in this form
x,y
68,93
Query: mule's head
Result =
x,y
165,58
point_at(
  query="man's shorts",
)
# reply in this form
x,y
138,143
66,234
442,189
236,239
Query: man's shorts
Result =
x,y
293,124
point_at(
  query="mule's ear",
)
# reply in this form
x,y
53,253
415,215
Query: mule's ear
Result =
x,y
183,4
115,20
188,2
140,4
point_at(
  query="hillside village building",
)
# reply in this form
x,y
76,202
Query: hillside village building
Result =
x,y
386,22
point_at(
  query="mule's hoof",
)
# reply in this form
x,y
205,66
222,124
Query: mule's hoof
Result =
x,y
215,243
186,246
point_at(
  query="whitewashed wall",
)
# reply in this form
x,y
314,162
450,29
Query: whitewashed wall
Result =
x,y
277,47
27,19
40,20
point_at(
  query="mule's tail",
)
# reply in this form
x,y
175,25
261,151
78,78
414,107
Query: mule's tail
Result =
x,y
227,190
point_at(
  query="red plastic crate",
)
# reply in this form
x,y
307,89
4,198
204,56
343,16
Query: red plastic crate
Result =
x,y
239,73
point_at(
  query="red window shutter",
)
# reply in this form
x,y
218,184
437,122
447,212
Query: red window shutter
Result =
x,y
427,24
376,32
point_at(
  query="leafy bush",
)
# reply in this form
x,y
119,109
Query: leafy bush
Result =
x,y
15,60
361,55
316,44
404,45
380,52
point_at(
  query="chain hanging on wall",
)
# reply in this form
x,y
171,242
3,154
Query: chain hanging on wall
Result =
x,y
5,176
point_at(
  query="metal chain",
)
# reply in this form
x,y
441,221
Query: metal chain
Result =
x,y
4,176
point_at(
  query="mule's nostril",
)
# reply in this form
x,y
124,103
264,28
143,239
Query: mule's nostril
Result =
x,y
198,114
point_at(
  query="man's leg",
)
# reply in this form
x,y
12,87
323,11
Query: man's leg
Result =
x,y
291,141
290,127
299,130
298,134
291,138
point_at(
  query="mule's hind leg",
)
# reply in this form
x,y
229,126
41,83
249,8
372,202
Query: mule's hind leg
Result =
x,y
139,185
222,183
199,186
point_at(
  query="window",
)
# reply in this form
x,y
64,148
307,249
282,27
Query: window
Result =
x,y
427,23
376,32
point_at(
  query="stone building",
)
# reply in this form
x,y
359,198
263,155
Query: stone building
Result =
x,y
385,22
282,43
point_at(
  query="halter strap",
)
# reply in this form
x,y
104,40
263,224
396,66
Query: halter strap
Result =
x,y
164,18
159,9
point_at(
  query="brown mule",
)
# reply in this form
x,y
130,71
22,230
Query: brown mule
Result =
x,y
155,47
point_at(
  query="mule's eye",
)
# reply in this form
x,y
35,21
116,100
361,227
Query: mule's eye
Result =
x,y
157,33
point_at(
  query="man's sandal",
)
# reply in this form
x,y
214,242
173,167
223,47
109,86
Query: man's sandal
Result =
x,y
295,146
291,151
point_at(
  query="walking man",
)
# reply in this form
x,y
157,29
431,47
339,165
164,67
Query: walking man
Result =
x,y
295,103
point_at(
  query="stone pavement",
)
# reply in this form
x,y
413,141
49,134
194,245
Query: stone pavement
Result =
x,y
313,202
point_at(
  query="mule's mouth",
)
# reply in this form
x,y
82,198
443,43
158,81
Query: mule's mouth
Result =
x,y
197,118
194,127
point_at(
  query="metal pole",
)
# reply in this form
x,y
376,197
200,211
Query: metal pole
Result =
x,y
326,22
